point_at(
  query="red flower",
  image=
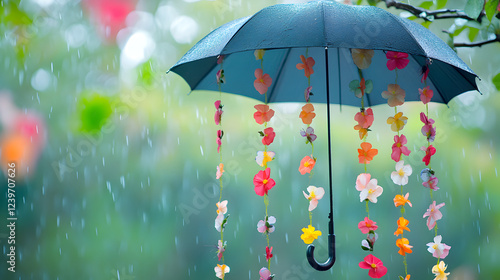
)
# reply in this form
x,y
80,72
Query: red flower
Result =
x,y
262,182
269,135
263,114
375,266
429,151
269,254
396,60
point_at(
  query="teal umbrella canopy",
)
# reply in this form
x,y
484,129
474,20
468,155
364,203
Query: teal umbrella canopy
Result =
x,y
286,31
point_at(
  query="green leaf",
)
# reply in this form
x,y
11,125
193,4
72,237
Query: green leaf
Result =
x,y
426,5
373,2
426,24
473,8
401,277
473,33
496,81
369,86
491,8
10,13
440,4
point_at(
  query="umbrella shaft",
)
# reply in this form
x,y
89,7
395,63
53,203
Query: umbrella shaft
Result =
x,y
330,181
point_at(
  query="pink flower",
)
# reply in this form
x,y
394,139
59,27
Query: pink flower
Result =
x,y
367,225
220,58
437,249
220,76
399,148
428,130
265,274
364,118
307,93
266,226
309,134
425,94
220,171
269,253
396,60
429,151
219,139
431,183
375,266
395,95
220,249
315,194
263,114
306,165
307,64
269,135
262,81
262,182
218,112
433,214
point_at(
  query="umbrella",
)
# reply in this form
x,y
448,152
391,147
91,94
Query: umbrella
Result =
x,y
327,31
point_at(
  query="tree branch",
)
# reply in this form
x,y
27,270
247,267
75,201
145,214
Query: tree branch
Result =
x,y
477,44
425,14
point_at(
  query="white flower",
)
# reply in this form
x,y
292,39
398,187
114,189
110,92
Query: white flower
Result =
x,y
315,194
400,176
438,249
218,222
221,270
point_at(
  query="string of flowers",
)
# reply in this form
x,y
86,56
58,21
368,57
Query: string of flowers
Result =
x,y
262,180
221,220
308,162
367,186
395,96
437,249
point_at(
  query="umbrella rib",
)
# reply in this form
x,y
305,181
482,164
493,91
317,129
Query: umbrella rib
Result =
x,y
270,99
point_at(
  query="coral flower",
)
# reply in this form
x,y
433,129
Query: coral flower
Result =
x,y
431,183
363,181
266,226
439,271
362,58
399,148
429,151
396,60
220,171
425,94
402,225
269,135
366,153
306,165
375,266
263,114
264,157
269,253
404,246
366,225
307,114
395,95
221,270
310,234
314,195
262,81
433,214
437,249
397,122
265,274
221,207
400,176
307,64
400,200
364,118
262,182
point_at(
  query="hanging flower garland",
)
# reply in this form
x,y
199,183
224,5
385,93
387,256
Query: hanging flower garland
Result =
x,y
365,184
221,220
308,162
437,249
395,96
262,180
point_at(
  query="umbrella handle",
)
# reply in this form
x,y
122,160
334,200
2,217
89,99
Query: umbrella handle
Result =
x,y
331,255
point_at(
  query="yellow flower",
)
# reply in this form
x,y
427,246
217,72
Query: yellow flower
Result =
x,y
310,234
259,54
362,58
397,122
438,270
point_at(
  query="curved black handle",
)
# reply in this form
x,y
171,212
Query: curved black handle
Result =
x,y
331,255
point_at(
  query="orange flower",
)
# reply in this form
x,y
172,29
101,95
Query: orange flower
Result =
x,y
263,114
307,64
404,246
402,225
400,200
366,153
306,165
307,114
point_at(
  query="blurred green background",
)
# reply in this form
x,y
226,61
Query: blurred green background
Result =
x,y
119,181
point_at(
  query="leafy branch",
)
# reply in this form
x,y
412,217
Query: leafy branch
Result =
x,y
429,15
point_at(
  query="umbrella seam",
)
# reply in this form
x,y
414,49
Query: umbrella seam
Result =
x,y
398,19
278,75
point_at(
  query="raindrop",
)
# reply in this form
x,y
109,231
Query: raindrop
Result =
x,y
96,233
126,139
58,220
122,181
201,149
286,237
197,240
